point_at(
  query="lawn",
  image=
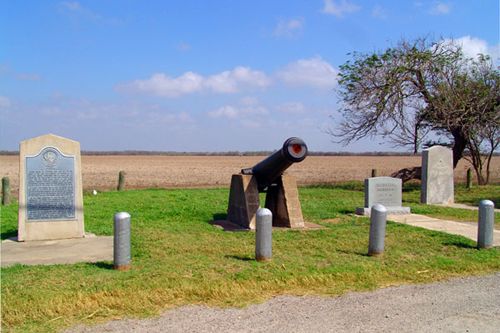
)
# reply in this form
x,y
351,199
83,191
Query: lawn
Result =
x,y
472,197
180,258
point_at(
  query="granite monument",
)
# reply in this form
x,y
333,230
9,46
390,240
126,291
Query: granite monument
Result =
x,y
386,191
437,176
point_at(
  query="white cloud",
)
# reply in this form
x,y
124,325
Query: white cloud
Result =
x,y
4,102
225,112
289,28
252,124
28,77
313,72
71,5
162,85
183,47
165,118
235,112
292,107
379,12
50,111
185,117
440,8
472,46
231,81
132,113
75,10
339,8
21,76
249,101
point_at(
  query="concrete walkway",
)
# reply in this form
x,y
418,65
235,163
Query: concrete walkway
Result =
x,y
463,206
468,230
50,252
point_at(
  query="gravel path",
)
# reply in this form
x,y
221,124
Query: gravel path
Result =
x,y
461,305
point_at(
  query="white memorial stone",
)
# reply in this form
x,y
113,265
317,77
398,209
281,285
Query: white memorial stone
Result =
x,y
50,189
437,176
386,191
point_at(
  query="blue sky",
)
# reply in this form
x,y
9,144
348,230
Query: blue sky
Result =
x,y
198,75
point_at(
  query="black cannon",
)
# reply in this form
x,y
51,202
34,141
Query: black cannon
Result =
x,y
282,196
267,171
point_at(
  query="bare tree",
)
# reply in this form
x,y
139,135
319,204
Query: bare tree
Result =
x,y
417,88
467,105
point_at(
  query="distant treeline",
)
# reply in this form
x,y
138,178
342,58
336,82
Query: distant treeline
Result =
x,y
229,153
225,153
237,153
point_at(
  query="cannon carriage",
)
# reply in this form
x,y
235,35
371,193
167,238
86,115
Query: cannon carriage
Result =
x,y
269,176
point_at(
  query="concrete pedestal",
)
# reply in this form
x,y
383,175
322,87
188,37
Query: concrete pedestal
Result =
x,y
282,199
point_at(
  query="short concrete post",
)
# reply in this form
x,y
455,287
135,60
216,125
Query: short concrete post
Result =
x,y
5,191
469,178
374,172
485,224
264,235
121,181
378,220
121,241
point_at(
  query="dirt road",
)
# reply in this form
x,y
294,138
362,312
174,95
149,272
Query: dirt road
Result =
x,y
461,305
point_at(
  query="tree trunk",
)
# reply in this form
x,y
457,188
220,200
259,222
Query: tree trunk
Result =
x,y
459,144
480,177
415,140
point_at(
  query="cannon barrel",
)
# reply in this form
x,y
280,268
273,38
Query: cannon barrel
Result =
x,y
268,170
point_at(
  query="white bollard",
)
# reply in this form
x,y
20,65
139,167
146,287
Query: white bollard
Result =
x,y
378,221
486,219
264,235
121,241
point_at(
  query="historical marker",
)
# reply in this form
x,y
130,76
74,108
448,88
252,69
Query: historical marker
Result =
x,y
50,191
50,186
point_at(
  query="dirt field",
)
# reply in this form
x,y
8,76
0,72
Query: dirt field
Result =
x,y
101,172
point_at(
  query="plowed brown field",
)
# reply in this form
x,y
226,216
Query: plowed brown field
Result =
x,y
101,172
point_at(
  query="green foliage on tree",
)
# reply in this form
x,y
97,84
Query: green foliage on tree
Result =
x,y
420,89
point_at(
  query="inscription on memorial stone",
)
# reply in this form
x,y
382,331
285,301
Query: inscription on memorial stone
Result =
x,y
50,186
383,190
385,194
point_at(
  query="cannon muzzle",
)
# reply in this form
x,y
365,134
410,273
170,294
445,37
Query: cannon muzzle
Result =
x,y
268,170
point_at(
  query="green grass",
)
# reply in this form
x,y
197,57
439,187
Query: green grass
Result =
x,y
180,258
472,197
